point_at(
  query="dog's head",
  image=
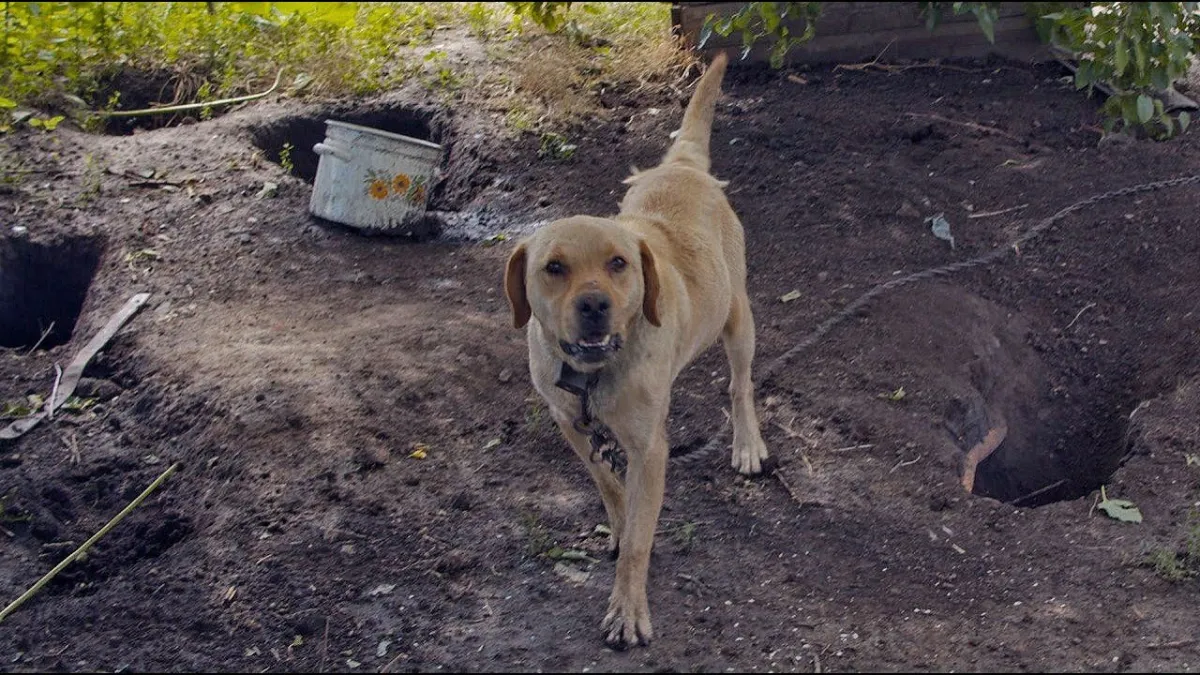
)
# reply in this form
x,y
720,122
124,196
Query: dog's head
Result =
x,y
588,281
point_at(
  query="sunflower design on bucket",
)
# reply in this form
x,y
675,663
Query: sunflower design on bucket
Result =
x,y
400,184
377,185
378,189
417,194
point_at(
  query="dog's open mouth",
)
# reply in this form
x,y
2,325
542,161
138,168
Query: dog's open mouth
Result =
x,y
591,350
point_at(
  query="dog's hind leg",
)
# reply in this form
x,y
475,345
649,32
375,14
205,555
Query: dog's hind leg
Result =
x,y
612,491
749,450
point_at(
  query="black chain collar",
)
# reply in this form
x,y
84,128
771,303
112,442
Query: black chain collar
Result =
x,y
603,442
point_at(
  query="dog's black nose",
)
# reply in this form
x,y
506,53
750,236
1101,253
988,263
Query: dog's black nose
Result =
x,y
593,312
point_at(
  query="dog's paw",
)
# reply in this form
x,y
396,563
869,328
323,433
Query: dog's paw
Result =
x,y
627,623
749,454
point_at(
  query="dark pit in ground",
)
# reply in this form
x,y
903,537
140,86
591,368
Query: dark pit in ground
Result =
x,y
292,138
42,288
134,89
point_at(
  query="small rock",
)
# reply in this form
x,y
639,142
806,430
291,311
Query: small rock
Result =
x,y
456,561
506,376
244,238
1115,140
544,201
268,190
907,210
822,276
571,573
382,589
96,388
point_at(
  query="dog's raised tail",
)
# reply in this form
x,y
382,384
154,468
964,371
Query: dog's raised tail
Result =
x,y
691,145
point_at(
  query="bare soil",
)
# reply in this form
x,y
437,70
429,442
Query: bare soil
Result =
x,y
292,367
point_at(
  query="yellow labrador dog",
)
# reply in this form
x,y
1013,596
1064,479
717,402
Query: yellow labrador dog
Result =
x,y
616,308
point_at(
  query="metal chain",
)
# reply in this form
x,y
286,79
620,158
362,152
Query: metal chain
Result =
x,y
717,441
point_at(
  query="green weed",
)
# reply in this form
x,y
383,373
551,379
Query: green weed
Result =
x,y
556,147
537,537
285,157
1168,565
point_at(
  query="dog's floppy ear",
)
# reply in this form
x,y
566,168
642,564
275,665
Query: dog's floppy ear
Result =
x,y
514,287
650,281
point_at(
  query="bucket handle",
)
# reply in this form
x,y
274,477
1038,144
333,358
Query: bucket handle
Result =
x,y
330,149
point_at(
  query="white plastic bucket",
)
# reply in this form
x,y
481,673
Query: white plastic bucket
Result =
x,y
373,179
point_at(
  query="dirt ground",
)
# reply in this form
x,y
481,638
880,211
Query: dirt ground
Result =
x,y
291,367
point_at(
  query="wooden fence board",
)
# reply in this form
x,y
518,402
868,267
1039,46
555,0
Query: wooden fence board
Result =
x,y
859,31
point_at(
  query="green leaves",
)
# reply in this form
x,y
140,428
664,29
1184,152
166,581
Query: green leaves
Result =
x,y
46,124
774,20
1121,56
1131,48
986,14
1145,108
1119,509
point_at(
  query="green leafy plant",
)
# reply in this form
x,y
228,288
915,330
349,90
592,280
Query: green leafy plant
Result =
x,y
1134,48
68,54
549,15
10,514
537,539
6,106
1181,561
556,147
285,157
986,13
1168,565
1128,49
1119,509
685,535
756,20
17,409
45,123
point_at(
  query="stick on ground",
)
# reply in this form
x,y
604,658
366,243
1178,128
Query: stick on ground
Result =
x,y
74,370
12,607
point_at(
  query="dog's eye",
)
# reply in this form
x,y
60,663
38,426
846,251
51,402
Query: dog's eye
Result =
x,y
555,268
617,264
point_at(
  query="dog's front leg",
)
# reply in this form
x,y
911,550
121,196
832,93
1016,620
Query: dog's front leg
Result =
x,y
612,493
627,622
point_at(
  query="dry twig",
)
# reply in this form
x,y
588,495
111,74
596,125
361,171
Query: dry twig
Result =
x,y
861,446
786,485
53,402
988,214
970,125
910,462
1079,314
40,340
12,607
1038,492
